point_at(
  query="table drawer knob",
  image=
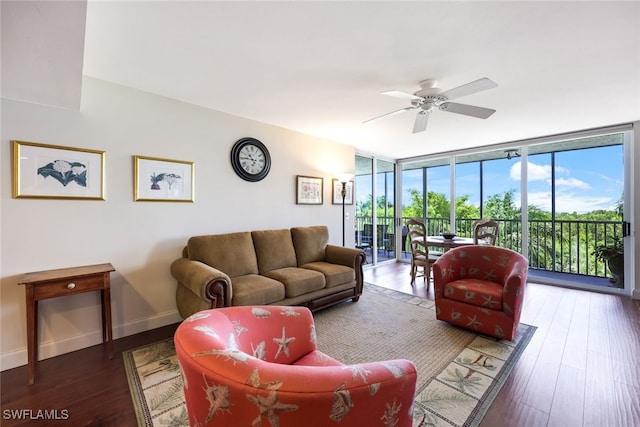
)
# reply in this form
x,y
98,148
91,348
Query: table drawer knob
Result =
x,y
71,286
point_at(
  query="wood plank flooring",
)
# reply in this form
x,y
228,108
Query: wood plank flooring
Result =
x,y
582,367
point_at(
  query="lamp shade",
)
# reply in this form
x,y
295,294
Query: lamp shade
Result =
x,y
345,177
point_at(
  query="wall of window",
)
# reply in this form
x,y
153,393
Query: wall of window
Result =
x,y
573,188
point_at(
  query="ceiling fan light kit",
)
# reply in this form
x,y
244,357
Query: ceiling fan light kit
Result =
x,y
429,96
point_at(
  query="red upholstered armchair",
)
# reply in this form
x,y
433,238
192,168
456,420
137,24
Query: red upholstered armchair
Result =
x,y
481,288
251,366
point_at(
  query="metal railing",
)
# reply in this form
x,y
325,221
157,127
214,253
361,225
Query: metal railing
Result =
x,y
561,246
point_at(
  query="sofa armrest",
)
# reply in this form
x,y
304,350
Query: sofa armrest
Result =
x,y
206,282
351,257
343,256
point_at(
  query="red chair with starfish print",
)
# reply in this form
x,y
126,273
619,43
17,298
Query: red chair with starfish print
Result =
x,y
481,288
250,366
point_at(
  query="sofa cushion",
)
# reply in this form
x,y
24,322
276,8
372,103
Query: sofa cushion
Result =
x,y
256,290
297,281
335,274
274,249
478,292
310,243
231,253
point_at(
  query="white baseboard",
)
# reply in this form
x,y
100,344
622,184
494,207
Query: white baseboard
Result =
x,y
55,348
636,293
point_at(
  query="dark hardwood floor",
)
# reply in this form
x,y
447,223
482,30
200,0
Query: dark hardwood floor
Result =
x,y
582,367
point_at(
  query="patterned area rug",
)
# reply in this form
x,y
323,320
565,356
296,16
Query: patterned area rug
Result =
x,y
459,372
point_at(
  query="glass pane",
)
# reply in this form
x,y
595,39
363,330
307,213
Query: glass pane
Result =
x,y
385,231
468,197
588,207
501,199
575,205
438,199
364,206
539,211
412,202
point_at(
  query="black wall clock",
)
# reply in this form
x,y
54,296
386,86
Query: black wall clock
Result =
x,y
250,159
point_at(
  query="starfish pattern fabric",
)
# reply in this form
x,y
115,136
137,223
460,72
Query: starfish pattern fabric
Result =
x,y
236,373
283,343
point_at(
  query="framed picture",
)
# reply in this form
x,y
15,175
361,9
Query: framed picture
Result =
x,y
337,192
55,172
162,180
308,190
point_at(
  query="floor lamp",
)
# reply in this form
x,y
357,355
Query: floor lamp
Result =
x,y
344,179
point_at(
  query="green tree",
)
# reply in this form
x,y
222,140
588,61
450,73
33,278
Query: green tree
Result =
x,y
501,206
438,205
464,209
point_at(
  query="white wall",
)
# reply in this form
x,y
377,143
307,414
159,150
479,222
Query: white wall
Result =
x,y
141,239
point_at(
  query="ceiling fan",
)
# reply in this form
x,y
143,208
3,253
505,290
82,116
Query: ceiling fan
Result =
x,y
429,96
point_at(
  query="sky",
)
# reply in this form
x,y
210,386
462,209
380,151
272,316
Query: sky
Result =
x,y
586,179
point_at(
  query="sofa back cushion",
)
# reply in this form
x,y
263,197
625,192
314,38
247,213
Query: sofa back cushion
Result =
x,y
310,243
274,249
231,253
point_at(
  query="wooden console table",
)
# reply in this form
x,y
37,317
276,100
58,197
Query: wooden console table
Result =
x,y
62,282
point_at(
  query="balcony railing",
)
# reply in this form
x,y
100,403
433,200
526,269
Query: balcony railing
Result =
x,y
561,246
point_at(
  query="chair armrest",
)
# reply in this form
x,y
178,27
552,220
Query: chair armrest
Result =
x,y
514,286
208,283
446,269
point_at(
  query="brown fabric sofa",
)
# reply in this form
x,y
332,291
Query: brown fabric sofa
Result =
x,y
266,267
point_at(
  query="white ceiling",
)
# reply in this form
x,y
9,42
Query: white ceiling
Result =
x,y
318,67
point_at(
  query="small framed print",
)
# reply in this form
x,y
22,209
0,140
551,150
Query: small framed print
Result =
x,y
309,190
56,172
337,192
162,180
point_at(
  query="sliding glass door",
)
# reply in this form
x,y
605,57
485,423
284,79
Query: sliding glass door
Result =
x,y
576,204
375,208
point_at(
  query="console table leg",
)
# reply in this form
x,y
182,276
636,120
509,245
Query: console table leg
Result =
x,y
107,332
32,333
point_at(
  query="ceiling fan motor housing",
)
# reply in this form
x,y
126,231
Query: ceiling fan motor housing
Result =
x,y
427,88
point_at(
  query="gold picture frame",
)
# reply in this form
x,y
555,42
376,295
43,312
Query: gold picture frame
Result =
x,y
44,171
163,180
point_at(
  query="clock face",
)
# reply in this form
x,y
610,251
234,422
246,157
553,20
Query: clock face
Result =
x,y
250,159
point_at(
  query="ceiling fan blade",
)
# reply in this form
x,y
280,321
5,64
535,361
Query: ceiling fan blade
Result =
x,y
401,95
467,110
421,122
469,88
393,113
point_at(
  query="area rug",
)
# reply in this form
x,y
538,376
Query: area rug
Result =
x,y
459,372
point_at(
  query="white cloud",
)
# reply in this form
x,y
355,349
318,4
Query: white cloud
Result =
x,y
569,202
573,183
534,172
581,204
543,173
